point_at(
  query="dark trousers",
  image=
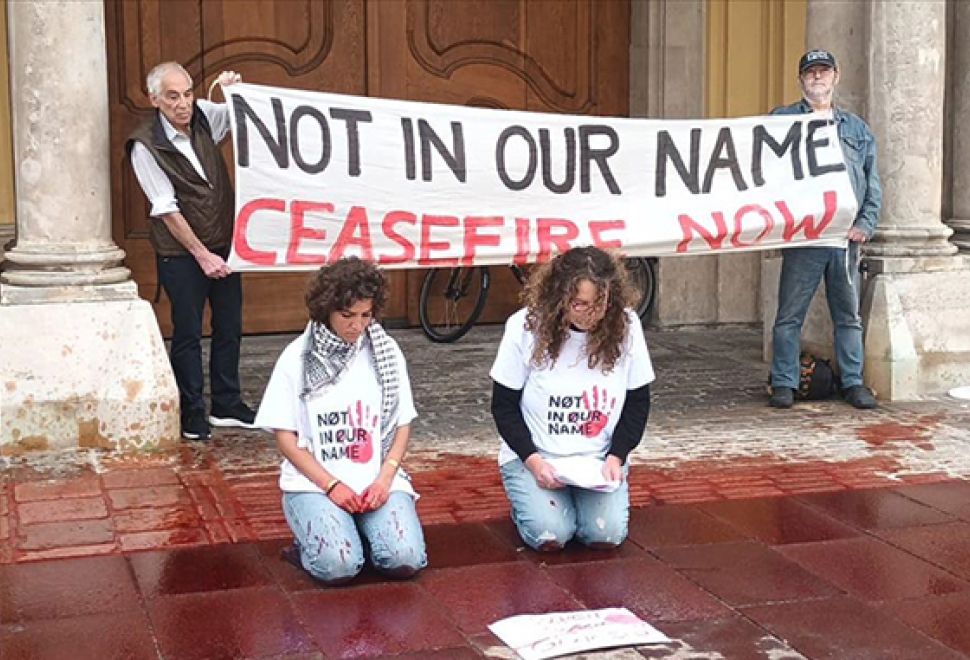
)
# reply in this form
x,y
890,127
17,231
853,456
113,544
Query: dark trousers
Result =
x,y
188,288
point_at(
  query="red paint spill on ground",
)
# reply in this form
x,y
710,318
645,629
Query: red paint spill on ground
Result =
x,y
140,505
887,434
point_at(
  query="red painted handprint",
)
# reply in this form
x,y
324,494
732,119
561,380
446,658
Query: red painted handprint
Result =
x,y
599,406
361,423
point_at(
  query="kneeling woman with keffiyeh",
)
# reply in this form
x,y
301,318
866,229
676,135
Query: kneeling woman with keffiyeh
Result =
x,y
339,401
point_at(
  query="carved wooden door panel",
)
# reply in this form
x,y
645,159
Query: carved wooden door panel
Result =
x,y
298,43
549,55
568,56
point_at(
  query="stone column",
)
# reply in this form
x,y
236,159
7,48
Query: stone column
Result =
x,y
960,68
58,74
81,356
908,47
916,308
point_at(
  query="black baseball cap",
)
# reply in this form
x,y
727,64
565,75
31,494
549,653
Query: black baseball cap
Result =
x,y
814,58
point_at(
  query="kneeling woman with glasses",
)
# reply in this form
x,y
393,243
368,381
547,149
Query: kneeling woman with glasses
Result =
x,y
571,379
339,401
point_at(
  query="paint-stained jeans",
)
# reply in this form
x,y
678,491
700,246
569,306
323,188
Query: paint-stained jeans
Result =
x,y
332,541
802,269
546,519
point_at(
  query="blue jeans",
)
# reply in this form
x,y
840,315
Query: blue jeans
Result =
x,y
546,519
188,289
332,541
801,271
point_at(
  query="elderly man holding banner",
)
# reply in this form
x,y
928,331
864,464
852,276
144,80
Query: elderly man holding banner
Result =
x,y
176,158
804,267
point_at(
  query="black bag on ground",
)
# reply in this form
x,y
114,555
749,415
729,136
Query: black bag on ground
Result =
x,y
816,379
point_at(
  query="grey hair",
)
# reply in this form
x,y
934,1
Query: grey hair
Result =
x,y
154,78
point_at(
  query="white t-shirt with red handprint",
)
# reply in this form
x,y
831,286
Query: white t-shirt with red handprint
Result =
x,y
340,424
569,408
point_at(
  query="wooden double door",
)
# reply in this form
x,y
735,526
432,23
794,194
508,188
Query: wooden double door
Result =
x,y
569,56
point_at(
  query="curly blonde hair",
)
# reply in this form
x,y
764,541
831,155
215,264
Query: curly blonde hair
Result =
x,y
548,294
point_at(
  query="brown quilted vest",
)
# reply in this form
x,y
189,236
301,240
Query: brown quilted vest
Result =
x,y
208,206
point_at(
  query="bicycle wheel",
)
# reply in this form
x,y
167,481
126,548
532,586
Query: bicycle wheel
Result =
x,y
451,301
641,275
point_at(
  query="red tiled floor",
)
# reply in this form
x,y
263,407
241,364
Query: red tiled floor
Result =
x,y
945,545
87,485
875,509
462,653
843,627
287,576
654,526
778,520
146,520
167,538
66,588
745,573
43,536
148,496
574,552
249,622
139,477
291,578
66,552
944,618
733,637
476,596
93,637
192,570
648,588
375,621
79,508
872,570
952,497
465,544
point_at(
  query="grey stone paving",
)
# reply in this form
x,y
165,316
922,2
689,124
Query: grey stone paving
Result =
x,y
709,404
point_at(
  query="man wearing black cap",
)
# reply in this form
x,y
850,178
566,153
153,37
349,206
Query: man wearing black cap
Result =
x,y
803,268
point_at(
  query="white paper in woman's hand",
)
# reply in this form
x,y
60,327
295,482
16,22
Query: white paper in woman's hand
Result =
x,y
582,471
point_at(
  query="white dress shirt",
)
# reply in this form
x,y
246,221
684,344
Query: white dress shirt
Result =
x,y
153,181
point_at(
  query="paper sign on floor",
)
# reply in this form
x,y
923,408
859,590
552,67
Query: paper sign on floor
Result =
x,y
537,636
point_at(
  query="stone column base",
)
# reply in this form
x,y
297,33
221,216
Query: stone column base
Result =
x,y
85,375
917,329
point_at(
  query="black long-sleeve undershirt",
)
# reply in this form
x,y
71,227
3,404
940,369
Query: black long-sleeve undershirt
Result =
x,y
507,413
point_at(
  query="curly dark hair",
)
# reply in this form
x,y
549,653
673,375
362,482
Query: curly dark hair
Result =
x,y
342,284
551,288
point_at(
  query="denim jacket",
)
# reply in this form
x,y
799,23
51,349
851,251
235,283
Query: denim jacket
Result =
x,y
859,149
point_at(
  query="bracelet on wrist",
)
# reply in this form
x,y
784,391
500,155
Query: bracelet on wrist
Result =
x,y
394,463
333,484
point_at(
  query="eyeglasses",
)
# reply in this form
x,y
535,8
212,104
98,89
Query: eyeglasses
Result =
x,y
583,306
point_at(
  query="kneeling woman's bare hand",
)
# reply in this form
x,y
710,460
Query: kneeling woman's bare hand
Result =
x,y
375,496
346,499
544,473
613,468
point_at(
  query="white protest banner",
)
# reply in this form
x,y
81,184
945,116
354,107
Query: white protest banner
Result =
x,y
537,636
406,184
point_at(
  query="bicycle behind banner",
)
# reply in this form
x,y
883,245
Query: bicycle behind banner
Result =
x,y
452,299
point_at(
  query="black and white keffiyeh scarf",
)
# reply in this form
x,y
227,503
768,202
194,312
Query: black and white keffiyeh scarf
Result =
x,y
327,356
